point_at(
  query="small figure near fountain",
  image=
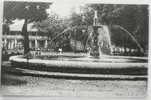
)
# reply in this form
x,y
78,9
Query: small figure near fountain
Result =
x,y
60,50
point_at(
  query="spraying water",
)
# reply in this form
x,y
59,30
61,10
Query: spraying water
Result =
x,y
99,38
104,40
133,38
100,42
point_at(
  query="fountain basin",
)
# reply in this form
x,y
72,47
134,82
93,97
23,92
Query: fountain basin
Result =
x,y
83,64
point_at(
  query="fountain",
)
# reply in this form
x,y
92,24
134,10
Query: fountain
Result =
x,y
96,63
100,43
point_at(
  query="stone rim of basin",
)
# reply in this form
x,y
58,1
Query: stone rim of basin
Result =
x,y
82,64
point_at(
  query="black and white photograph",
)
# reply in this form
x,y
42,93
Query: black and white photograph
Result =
x,y
65,48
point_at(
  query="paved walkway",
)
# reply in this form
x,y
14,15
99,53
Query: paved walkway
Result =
x,y
43,86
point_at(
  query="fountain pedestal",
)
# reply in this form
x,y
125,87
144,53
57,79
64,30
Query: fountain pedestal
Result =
x,y
95,51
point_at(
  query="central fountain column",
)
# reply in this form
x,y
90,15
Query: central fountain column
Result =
x,y
95,51
94,46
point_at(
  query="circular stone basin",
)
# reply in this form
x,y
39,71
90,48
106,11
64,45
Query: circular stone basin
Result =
x,y
84,64
84,61
103,59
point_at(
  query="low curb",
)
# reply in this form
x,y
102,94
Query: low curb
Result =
x,y
81,76
28,72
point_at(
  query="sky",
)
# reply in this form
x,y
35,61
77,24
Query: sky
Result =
x,y
64,7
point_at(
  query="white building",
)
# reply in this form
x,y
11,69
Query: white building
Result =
x,y
14,39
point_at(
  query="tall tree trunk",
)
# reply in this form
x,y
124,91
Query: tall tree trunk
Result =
x,y
26,37
75,41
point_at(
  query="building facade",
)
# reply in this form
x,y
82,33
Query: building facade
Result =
x,y
14,40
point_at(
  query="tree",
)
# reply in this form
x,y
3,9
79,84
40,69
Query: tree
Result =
x,y
53,27
29,11
5,28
